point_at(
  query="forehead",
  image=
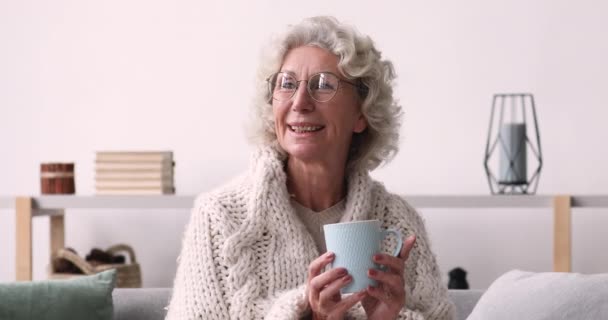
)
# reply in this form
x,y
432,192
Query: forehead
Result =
x,y
308,60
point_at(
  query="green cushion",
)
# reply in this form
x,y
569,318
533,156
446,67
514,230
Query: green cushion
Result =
x,y
88,297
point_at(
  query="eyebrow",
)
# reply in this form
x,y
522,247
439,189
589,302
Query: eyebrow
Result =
x,y
295,75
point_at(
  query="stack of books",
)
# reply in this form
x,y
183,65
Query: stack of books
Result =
x,y
134,172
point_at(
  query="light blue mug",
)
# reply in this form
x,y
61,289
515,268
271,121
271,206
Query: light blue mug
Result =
x,y
354,244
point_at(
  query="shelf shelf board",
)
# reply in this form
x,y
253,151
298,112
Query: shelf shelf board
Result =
x,y
592,201
186,201
480,201
112,202
44,203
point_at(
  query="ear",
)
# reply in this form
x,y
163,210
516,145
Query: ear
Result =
x,y
360,124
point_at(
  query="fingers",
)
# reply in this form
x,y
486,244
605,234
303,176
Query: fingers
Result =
x,y
319,282
381,295
348,302
396,264
333,288
407,247
394,282
323,289
391,289
317,265
314,269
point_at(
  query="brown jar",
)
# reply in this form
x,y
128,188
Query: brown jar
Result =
x,y
57,178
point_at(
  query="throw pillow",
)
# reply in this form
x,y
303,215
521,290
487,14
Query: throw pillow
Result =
x,y
88,297
550,295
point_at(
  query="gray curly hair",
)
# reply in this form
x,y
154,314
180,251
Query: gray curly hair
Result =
x,y
360,62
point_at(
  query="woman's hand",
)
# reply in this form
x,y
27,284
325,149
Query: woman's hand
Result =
x,y
386,300
323,290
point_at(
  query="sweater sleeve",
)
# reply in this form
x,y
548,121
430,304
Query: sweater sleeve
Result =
x,y
200,288
197,291
426,296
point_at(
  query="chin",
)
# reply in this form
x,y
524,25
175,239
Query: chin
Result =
x,y
306,152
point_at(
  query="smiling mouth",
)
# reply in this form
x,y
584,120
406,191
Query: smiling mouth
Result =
x,y
304,129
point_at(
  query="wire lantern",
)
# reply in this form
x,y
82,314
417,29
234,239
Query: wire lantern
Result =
x,y
513,142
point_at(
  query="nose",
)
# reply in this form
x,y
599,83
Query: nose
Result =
x,y
301,100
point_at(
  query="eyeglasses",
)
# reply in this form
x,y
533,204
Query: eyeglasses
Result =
x,y
321,87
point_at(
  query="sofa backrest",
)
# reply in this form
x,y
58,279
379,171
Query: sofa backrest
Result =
x,y
140,304
465,301
149,304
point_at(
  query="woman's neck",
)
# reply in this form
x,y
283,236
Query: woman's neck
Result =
x,y
316,186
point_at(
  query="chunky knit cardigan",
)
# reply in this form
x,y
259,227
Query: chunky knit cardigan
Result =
x,y
245,254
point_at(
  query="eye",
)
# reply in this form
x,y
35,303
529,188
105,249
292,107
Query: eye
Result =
x,y
286,82
323,82
287,85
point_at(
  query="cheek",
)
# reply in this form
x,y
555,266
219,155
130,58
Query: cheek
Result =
x,y
347,121
347,111
278,116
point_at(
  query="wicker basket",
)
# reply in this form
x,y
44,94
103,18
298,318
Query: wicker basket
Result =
x,y
128,275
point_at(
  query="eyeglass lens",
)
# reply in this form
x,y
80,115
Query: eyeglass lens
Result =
x,y
321,86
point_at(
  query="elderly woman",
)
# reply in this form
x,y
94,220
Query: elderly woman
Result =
x,y
254,248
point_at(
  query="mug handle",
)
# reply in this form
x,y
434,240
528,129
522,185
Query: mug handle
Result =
x,y
397,234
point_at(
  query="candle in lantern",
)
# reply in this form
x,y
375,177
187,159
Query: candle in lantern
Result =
x,y
513,154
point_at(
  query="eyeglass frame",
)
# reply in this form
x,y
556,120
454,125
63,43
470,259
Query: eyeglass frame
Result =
x,y
362,89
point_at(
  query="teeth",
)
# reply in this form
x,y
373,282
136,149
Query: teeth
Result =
x,y
305,128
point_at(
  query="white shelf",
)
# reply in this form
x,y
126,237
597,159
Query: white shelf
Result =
x,y
40,204
596,201
503,201
480,201
112,202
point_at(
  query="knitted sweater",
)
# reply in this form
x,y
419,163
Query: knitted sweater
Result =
x,y
245,254
314,221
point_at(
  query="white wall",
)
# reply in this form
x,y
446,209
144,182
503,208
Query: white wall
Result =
x,y
81,76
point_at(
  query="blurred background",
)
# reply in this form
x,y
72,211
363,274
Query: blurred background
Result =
x,y
77,77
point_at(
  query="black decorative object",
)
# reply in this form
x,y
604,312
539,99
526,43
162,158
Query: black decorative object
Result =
x,y
508,143
458,279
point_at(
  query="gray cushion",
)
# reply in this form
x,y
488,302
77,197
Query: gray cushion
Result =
x,y
526,295
465,301
144,304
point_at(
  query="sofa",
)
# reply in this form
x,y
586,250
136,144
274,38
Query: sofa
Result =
x,y
149,304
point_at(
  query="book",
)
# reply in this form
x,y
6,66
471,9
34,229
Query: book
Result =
x,y
134,175
109,184
133,166
134,156
134,191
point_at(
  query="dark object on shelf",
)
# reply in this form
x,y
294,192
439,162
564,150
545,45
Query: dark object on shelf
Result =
x,y
458,279
128,274
57,178
98,256
508,133
65,266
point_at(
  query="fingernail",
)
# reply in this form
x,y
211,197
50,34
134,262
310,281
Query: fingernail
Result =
x,y
347,278
342,272
378,257
329,255
372,272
